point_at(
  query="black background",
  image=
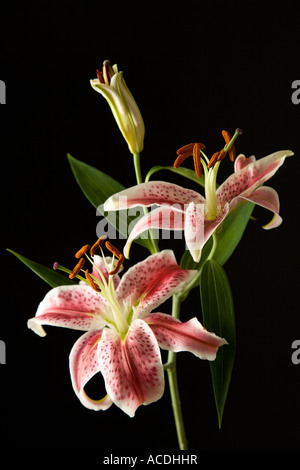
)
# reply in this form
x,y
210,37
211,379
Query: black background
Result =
x,y
194,68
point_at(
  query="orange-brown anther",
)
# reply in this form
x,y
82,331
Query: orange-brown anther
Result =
x,y
117,254
118,265
77,268
91,281
231,151
113,249
188,150
82,251
214,159
181,158
197,159
96,245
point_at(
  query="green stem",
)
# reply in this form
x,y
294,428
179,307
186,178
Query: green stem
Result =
x,y
173,385
139,180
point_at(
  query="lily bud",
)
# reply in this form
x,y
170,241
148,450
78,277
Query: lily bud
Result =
x,y
111,84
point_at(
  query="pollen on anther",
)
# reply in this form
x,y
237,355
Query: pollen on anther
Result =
x,y
118,265
113,249
96,245
82,251
197,159
91,281
77,268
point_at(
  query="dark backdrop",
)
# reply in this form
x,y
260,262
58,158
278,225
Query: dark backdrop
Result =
x,y
194,69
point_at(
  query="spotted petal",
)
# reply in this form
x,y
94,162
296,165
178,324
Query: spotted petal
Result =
x,y
132,369
150,193
250,176
164,217
173,335
268,198
152,281
77,307
84,365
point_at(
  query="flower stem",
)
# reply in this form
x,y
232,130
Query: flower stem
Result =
x,y
139,180
173,385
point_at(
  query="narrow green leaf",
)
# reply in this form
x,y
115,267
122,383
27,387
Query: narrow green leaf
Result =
x,y
97,187
218,317
186,172
232,231
53,278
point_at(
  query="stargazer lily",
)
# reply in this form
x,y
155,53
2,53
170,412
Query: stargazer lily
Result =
x,y
111,84
185,209
122,336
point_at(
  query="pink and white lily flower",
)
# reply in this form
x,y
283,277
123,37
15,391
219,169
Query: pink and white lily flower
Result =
x,y
184,209
122,336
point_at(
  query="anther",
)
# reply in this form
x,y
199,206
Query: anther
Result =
x,y
197,159
107,71
77,268
231,149
113,249
214,159
100,76
117,254
96,245
188,150
82,251
117,266
91,281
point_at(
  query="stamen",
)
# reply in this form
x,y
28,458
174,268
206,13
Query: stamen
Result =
x,y
96,245
181,158
113,249
118,265
100,76
77,268
197,159
188,150
214,159
108,72
118,255
91,281
231,149
82,251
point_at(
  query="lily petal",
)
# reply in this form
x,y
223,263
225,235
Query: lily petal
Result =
x,y
76,307
241,161
194,229
132,369
150,193
83,366
164,217
173,335
252,175
152,281
268,198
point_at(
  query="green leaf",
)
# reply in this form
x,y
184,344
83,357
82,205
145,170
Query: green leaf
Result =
x,y
97,187
218,317
232,231
229,237
186,172
53,278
